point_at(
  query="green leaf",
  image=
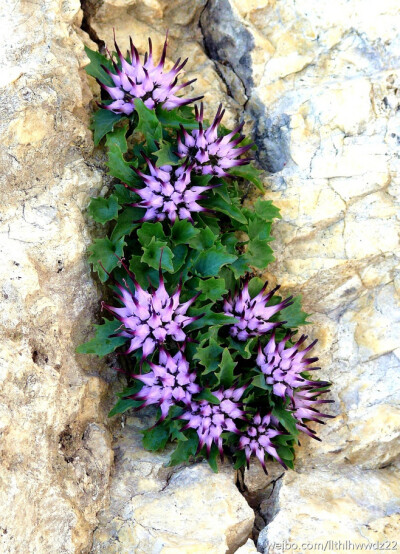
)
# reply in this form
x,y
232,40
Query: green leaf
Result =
x,y
209,356
219,204
240,459
102,343
259,382
210,261
294,315
152,255
266,210
118,138
148,124
286,419
240,267
185,449
250,173
103,122
126,222
107,252
228,276
148,231
258,228
259,253
183,231
124,195
227,366
245,349
230,241
123,405
155,438
94,67
206,394
211,319
255,286
175,430
211,289
173,119
142,272
179,256
103,209
212,458
166,154
204,239
286,453
118,166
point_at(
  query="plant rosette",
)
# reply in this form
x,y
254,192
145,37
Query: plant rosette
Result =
x,y
202,337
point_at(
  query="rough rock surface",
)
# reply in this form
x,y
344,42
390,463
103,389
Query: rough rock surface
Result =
x,y
158,509
56,453
318,84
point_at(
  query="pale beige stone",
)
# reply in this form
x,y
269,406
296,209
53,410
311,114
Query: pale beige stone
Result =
x,y
255,479
56,451
159,509
248,548
333,506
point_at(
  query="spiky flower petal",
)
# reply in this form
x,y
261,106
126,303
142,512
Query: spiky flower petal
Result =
x,y
168,193
149,82
253,313
304,403
283,367
256,440
210,154
211,420
149,318
170,381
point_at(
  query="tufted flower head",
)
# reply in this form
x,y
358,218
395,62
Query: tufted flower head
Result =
x,y
170,381
168,193
149,82
304,403
211,420
282,366
253,313
256,440
149,318
210,154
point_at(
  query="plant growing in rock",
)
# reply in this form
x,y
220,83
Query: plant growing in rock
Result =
x,y
202,337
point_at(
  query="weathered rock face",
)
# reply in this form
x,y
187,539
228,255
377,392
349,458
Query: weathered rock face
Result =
x,y
55,451
158,509
318,83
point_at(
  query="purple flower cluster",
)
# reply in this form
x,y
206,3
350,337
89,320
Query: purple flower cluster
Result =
x,y
168,193
155,321
304,405
256,440
211,420
170,381
149,82
283,367
253,313
148,318
209,153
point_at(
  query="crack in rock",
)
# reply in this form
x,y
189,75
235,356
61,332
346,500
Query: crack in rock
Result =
x,y
229,44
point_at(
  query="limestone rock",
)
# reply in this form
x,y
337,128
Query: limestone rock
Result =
x,y
56,452
248,548
159,509
346,504
255,479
